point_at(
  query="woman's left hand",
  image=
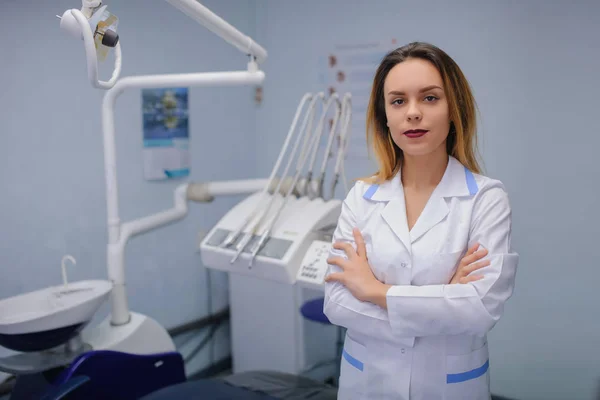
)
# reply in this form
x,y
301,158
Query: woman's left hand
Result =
x,y
356,274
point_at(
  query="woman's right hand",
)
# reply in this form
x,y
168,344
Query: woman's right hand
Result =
x,y
469,263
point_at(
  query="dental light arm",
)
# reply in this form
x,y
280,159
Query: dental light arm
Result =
x,y
221,28
93,21
97,27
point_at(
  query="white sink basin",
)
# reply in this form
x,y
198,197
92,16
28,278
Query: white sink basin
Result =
x,y
55,312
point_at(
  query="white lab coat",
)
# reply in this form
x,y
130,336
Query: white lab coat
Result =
x,y
431,342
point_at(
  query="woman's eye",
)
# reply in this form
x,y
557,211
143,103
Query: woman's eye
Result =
x,y
431,98
398,101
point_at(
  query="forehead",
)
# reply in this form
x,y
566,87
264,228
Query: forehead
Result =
x,y
412,75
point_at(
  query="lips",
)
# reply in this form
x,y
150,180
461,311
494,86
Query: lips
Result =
x,y
415,133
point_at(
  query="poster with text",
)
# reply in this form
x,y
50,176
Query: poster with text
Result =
x,y
166,133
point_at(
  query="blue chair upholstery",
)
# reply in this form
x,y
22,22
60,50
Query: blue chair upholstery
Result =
x,y
313,310
117,376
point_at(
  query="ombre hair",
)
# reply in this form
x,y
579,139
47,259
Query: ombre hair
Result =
x,y
462,137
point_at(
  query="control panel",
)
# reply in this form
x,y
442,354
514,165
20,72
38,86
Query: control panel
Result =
x,y
314,264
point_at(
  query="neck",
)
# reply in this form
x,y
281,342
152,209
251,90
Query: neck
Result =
x,y
424,172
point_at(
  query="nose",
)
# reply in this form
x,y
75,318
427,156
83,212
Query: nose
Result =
x,y
414,113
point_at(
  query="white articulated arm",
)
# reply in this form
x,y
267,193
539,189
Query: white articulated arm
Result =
x,y
91,22
97,27
221,28
200,192
116,240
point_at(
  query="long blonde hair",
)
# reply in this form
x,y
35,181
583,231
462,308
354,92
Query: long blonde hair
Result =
x,y
462,137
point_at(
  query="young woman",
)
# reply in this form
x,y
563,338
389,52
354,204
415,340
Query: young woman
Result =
x,y
401,273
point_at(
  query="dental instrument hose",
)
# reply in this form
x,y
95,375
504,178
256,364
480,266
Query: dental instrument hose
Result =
x,y
233,235
253,230
332,130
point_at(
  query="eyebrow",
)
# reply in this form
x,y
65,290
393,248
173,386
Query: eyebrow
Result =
x,y
425,89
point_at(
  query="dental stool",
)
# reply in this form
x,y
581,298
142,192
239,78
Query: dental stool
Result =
x,y
312,310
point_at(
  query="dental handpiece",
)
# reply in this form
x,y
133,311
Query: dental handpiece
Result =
x,y
234,235
248,236
344,139
273,220
333,99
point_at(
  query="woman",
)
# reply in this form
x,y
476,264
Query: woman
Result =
x,y
416,315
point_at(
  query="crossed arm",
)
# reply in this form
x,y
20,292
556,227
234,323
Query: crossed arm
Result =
x,y
356,300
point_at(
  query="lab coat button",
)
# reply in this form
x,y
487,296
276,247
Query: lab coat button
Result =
x,y
404,264
403,351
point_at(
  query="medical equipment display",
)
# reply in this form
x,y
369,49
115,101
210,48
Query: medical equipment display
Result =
x,y
275,243
45,320
271,240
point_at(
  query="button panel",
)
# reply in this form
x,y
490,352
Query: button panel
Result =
x,y
314,264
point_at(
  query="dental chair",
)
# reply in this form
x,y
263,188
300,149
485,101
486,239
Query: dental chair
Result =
x,y
100,375
109,375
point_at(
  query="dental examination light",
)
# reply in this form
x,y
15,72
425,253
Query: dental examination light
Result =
x,y
98,29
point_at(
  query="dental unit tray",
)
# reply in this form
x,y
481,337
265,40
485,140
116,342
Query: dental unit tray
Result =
x,y
301,222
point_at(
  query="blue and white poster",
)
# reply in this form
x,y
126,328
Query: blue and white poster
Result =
x,y
166,133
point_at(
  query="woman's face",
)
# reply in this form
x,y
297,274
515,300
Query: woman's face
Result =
x,y
416,107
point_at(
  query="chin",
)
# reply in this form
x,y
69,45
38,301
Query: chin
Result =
x,y
417,151
424,148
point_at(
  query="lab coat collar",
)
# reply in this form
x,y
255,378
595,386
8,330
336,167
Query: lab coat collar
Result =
x,y
457,181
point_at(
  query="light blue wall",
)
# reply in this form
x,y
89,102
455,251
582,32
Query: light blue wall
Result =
x,y
534,69
533,66
51,157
